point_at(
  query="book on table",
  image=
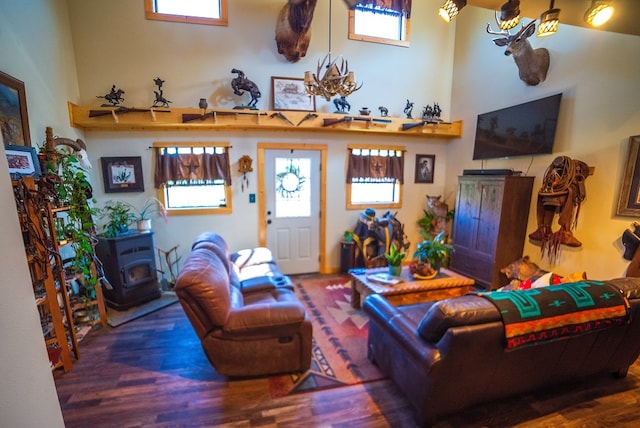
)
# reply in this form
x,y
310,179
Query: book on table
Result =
x,y
384,278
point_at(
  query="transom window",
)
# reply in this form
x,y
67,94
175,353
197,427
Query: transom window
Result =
x,y
375,177
374,24
209,12
193,179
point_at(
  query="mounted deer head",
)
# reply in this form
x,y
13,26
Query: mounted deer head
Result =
x,y
532,63
293,29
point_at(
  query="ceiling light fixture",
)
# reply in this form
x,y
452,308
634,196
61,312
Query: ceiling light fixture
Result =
x,y
509,15
335,80
450,9
549,21
599,13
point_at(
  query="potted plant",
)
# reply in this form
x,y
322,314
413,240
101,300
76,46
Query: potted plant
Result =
x,y
118,217
152,206
394,259
434,251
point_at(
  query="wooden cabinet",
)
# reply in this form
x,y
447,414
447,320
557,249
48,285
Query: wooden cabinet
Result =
x,y
52,286
490,225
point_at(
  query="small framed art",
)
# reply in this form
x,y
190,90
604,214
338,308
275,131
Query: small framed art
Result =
x,y
289,94
122,174
424,168
22,161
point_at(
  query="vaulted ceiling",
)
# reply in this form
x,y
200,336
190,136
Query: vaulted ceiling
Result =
x,y
626,19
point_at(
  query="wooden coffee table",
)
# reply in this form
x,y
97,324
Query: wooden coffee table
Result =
x,y
445,285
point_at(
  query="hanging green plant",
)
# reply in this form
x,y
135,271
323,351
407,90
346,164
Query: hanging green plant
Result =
x,y
74,192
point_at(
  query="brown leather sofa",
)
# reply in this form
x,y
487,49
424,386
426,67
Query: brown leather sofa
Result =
x,y
258,329
445,356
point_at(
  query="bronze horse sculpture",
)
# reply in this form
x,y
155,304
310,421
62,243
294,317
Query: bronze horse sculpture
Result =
x,y
240,84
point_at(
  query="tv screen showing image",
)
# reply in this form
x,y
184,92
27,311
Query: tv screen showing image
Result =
x,y
521,130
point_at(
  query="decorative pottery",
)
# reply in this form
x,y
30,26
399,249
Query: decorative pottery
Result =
x,y
144,225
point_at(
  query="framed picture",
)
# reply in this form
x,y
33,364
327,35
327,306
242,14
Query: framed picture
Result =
x,y
22,161
289,94
122,174
424,168
14,122
629,199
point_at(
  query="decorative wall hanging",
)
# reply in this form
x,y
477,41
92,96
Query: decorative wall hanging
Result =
x,y
122,174
22,161
289,94
424,168
244,166
561,193
14,122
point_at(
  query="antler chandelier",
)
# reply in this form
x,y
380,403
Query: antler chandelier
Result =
x,y
336,80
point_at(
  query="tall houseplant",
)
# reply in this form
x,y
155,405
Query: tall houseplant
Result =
x,y
74,192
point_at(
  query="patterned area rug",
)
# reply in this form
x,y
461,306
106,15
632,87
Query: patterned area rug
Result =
x,y
339,354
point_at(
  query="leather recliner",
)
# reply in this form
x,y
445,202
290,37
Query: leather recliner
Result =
x,y
260,332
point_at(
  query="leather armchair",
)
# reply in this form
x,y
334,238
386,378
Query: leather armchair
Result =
x,y
262,332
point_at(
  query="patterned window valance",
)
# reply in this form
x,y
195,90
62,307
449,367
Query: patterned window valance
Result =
x,y
183,169
374,168
399,6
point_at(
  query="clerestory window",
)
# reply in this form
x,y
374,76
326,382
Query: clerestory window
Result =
x,y
208,12
372,21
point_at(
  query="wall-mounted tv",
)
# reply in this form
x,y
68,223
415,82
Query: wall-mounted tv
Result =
x,y
521,130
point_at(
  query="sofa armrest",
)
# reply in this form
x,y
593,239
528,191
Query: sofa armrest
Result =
x,y
265,283
265,316
401,327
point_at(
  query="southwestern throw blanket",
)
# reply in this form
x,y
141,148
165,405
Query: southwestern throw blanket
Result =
x,y
549,313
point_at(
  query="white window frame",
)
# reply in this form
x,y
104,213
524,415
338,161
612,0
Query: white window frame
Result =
x,y
403,41
150,13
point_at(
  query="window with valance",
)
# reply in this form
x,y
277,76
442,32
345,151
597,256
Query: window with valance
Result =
x,y
193,178
375,177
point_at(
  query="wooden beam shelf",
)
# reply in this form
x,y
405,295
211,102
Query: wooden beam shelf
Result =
x,y
171,119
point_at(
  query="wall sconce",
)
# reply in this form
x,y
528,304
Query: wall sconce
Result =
x,y
599,13
509,15
549,21
450,9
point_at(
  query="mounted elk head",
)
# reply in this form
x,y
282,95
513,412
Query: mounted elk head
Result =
x,y
293,29
532,63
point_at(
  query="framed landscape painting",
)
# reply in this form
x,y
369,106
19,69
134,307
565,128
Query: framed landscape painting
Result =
x,y
122,174
289,93
14,123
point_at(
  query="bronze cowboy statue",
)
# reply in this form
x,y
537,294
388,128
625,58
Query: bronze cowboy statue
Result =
x,y
562,192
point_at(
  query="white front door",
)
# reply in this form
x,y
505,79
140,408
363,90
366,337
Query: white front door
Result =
x,y
292,203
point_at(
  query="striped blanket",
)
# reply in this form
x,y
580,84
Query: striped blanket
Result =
x,y
543,314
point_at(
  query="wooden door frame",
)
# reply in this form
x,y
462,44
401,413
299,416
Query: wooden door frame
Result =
x,y
262,208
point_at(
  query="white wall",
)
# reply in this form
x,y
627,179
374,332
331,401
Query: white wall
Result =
x,y
114,44
599,76
35,47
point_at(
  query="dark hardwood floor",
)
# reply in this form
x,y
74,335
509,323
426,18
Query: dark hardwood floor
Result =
x,y
152,372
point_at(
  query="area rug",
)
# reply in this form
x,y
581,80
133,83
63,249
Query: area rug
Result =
x,y
339,354
116,318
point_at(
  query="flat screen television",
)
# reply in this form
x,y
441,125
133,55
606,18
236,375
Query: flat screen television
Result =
x,y
521,130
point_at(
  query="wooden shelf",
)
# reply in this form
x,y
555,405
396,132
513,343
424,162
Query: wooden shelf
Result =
x,y
171,120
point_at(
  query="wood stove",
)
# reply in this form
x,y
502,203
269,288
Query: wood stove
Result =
x,y
129,265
